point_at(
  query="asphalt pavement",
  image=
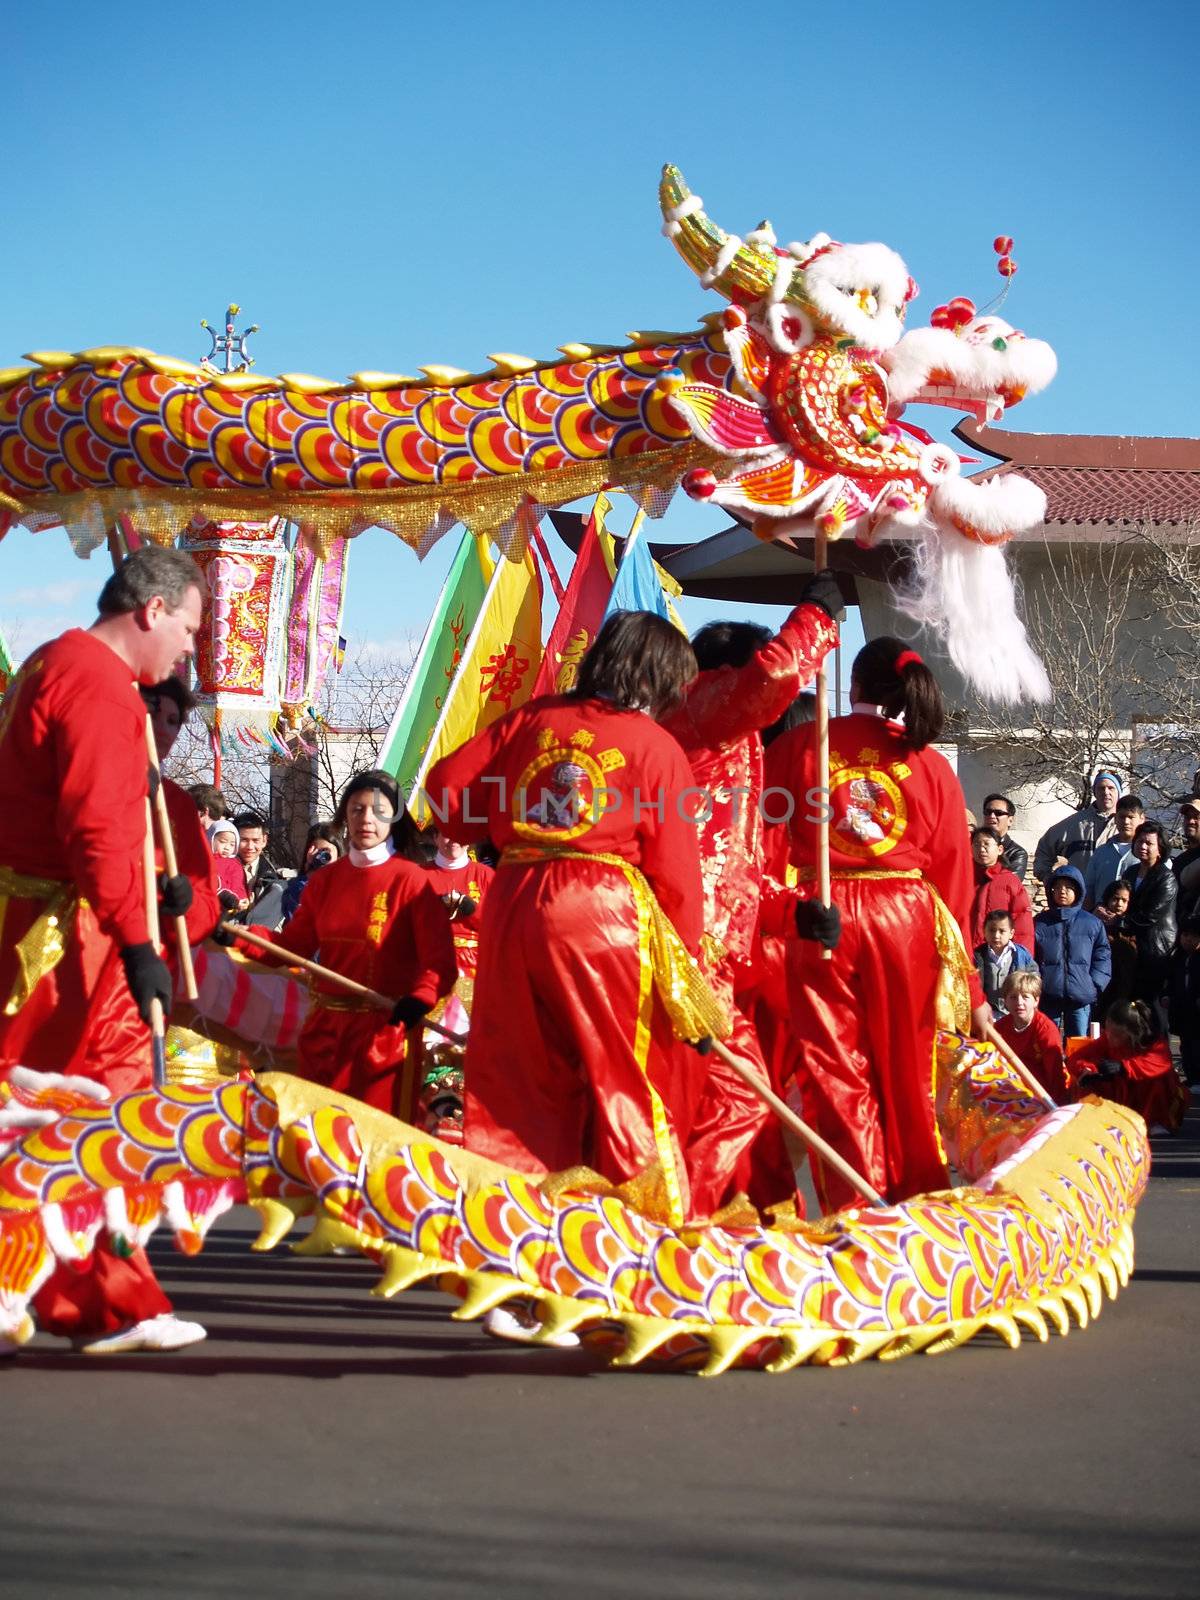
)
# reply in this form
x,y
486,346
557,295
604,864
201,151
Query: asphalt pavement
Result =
x,y
328,1444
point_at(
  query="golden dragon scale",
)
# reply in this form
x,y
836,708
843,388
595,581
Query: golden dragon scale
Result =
x,y
1043,1230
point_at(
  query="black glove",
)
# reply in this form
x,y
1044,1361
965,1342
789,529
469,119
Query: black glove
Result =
x,y
227,900
823,590
702,1047
152,782
821,924
466,908
147,977
175,894
1110,1069
1089,1082
408,1010
224,935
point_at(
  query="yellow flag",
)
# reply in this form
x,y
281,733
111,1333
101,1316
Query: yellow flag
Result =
x,y
498,666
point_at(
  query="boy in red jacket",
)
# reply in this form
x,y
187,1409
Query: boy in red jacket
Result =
x,y
1031,1034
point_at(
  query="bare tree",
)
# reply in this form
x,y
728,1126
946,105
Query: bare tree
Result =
x,y
1115,623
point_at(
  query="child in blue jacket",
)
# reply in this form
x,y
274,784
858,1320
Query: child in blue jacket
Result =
x,y
1072,953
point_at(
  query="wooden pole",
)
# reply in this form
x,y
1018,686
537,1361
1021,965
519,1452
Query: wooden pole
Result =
x,y
823,888
186,970
348,984
1018,1066
810,1139
158,1032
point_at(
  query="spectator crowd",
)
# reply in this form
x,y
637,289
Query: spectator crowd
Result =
x,y
1089,989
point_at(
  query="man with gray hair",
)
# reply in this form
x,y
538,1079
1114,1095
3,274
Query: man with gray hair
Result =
x,y
78,973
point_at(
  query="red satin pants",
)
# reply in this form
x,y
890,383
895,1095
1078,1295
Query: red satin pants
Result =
x,y
736,1142
865,1029
566,1042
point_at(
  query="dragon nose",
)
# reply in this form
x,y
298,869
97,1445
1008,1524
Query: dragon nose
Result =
x,y
866,301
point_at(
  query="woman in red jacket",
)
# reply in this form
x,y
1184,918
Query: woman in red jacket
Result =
x,y
866,1018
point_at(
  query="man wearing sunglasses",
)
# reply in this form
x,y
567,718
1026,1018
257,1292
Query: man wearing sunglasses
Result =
x,y
998,813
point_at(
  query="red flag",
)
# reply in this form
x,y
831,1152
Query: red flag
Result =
x,y
582,609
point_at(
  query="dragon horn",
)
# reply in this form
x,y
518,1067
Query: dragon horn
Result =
x,y
722,260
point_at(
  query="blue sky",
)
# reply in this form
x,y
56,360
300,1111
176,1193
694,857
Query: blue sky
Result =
x,y
386,185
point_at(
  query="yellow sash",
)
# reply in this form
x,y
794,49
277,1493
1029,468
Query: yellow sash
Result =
x,y
41,947
692,1008
687,997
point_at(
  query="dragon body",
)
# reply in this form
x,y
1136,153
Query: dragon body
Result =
x,y
1042,1230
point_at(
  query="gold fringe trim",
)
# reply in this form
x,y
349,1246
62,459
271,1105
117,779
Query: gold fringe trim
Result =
x,y
482,505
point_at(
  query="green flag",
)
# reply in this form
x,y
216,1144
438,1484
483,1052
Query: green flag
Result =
x,y
7,669
441,651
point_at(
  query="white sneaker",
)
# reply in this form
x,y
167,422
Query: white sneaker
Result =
x,y
164,1332
521,1326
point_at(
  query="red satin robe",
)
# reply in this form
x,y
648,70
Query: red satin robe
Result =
x,y
736,1143
866,1018
73,765
571,1057
1151,1086
384,927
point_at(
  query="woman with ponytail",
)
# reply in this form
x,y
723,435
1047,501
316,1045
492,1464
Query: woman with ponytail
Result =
x,y
902,880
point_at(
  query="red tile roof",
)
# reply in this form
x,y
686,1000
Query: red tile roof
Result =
x,y
1115,494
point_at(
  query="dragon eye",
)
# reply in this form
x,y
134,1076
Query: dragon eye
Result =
x,y
999,344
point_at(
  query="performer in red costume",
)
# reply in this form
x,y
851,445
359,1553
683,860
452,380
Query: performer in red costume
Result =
x,y
373,917
902,882
747,680
572,1059
461,883
73,784
1131,1063
169,705
762,992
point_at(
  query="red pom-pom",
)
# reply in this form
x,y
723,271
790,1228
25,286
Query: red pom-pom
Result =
x,y
1002,244
956,314
699,483
1006,266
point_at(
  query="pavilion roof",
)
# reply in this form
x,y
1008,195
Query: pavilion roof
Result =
x,y
1091,478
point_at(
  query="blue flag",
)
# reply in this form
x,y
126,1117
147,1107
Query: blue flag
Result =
x,y
637,586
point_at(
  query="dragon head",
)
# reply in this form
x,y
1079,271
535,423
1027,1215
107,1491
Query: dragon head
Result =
x,y
979,364
844,291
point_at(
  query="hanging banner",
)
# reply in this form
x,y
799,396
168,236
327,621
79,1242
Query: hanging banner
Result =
x,y
314,624
240,643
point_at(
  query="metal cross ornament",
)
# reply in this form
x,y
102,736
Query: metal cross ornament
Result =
x,y
230,345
